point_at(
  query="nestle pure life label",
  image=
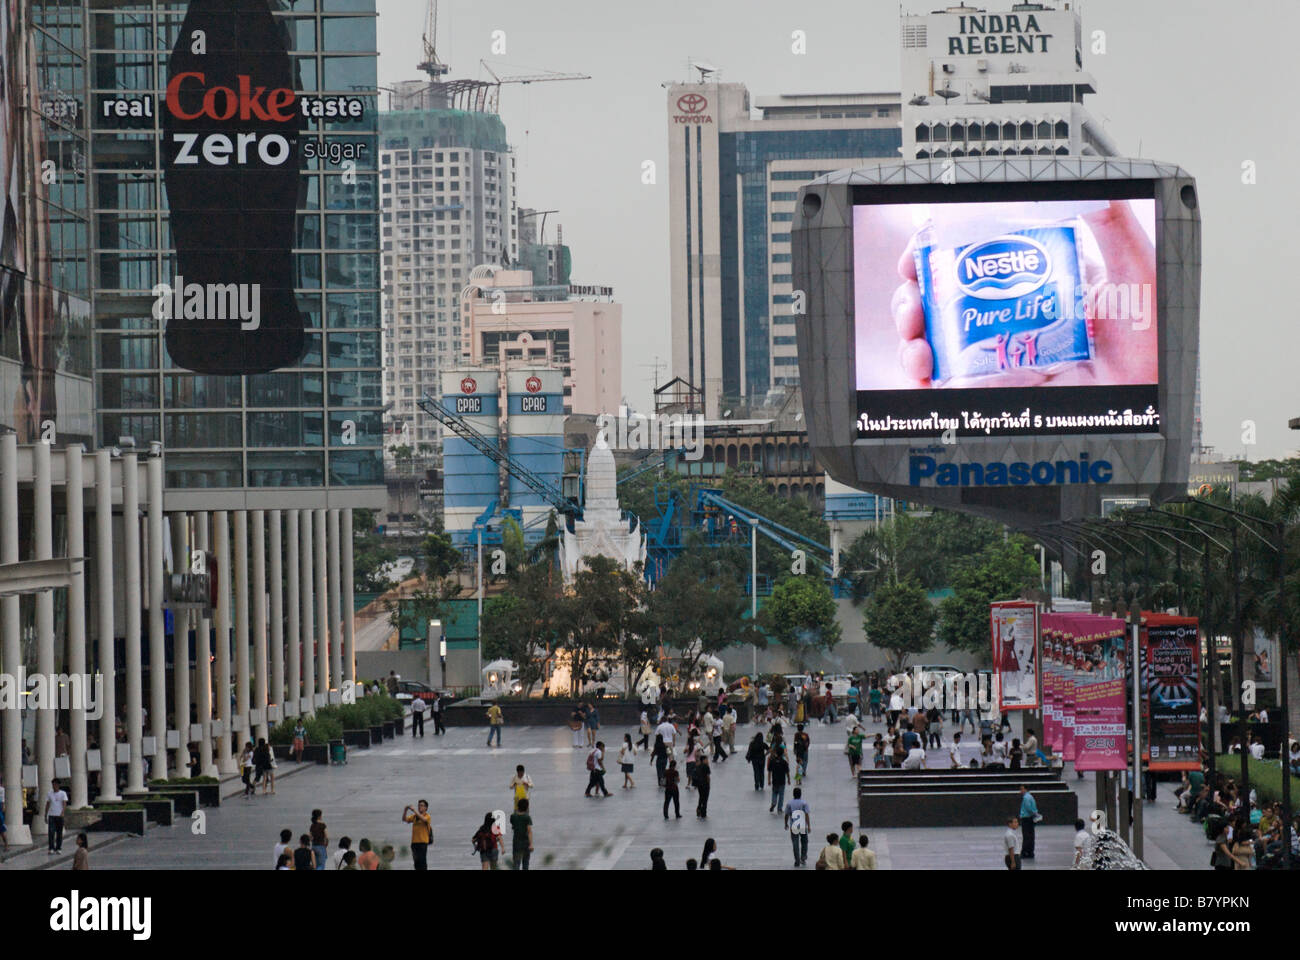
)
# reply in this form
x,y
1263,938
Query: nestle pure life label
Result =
x,y
1011,301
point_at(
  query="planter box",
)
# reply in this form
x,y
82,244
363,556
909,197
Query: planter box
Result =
x,y
357,738
316,753
184,802
390,729
282,751
157,808
209,794
121,821
377,734
400,725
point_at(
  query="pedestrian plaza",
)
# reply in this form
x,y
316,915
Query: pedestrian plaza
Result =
x,y
463,779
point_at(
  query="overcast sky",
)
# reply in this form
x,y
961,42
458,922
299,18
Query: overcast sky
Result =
x,y
1199,83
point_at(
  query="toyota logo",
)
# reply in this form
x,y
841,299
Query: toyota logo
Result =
x,y
692,103
533,384
468,385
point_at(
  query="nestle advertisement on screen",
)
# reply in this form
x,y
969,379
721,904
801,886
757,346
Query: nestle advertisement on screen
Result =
x,y
1016,318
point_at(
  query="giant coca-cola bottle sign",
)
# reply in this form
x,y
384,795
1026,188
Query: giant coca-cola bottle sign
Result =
x,y
231,161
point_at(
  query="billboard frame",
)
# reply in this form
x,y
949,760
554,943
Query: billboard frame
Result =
x,y
1153,465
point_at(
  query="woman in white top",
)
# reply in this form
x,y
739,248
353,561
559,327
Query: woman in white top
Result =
x,y
246,769
627,759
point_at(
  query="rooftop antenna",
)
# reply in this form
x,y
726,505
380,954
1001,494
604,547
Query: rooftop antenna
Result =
x,y
705,69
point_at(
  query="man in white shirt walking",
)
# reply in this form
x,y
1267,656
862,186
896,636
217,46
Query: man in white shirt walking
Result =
x,y
954,751
55,803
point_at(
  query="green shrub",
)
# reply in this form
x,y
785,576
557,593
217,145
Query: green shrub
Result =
x,y
1265,776
183,781
321,728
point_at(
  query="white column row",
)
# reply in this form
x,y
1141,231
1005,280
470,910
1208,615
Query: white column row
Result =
x,y
285,661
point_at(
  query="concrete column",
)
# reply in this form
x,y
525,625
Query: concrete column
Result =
x,y
11,721
319,574
349,604
308,633
157,623
182,561
336,620
276,693
203,658
293,693
131,616
104,575
78,792
259,621
221,684
43,549
241,625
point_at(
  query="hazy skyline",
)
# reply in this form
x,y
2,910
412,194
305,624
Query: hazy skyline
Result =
x,y
1190,82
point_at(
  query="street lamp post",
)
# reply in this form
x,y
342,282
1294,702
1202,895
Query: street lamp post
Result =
x,y
753,588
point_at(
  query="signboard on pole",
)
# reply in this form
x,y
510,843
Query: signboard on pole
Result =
x,y
1016,656
1100,731
1173,692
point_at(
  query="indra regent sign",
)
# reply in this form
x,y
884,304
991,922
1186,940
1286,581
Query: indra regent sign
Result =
x,y
996,34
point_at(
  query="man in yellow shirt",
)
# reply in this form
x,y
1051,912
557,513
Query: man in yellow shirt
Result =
x,y
421,833
495,720
863,858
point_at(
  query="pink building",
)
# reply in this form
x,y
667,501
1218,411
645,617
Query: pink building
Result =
x,y
578,328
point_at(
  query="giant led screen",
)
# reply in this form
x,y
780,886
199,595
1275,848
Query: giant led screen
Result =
x,y
1006,317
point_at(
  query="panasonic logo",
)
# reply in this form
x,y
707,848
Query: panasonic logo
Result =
x,y
1017,474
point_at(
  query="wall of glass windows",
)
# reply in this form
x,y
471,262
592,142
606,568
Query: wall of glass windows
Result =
x,y
313,425
45,349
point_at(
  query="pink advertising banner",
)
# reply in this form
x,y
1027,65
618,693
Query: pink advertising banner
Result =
x,y
1100,728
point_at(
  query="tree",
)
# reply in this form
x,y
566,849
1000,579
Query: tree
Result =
x,y
800,615
1001,571
520,625
370,554
597,612
900,620
440,556
699,609
430,601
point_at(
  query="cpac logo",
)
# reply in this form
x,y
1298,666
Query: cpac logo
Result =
x,y
1003,267
468,385
533,384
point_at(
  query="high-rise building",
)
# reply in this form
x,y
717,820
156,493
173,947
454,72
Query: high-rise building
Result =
x,y
509,317
45,350
308,433
734,172
448,202
997,84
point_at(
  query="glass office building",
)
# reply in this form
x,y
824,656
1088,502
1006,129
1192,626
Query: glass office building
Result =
x,y
45,351
311,429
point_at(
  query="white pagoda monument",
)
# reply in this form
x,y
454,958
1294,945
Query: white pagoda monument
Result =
x,y
602,531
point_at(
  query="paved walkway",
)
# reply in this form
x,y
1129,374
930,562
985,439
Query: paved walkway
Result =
x,y
463,779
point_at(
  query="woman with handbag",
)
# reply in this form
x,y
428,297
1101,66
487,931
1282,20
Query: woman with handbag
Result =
x,y
831,857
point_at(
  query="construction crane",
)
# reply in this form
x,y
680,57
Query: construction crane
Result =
x,y
431,65
494,94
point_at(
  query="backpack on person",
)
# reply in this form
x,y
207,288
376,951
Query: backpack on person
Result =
x,y
483,841
591,760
